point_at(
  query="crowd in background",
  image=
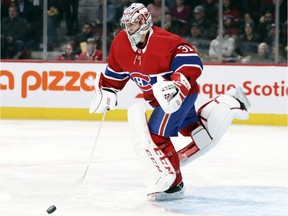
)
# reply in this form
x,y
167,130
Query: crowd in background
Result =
x,y
248,34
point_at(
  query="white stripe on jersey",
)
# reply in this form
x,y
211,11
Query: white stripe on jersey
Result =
x,y
189,65
121,72
186,54
111,71
161,74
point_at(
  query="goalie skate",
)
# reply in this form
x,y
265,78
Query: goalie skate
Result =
x,y
174,193
240,96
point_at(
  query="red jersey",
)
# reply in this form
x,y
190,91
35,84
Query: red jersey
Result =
x,y
96,56
164,54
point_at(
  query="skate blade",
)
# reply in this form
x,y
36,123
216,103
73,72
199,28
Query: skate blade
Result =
x,y
162,196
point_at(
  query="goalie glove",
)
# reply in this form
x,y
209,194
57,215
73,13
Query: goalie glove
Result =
x,y
104,99
170,94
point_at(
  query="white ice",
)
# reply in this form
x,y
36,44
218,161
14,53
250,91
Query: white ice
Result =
x,y
41,163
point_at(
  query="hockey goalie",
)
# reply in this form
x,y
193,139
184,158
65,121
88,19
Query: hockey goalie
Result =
x,y
166,68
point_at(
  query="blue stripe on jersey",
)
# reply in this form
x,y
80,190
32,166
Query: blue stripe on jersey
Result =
x,y
115,75
188,59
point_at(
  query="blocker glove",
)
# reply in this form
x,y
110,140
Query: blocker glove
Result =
x,y
171,94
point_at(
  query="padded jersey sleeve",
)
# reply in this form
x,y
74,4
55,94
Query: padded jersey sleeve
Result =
x,y
114,76
186,61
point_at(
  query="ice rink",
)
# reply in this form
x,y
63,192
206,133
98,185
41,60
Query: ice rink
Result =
x,y
41,163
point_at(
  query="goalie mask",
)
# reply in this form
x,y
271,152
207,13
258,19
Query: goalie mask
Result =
x,y
136,21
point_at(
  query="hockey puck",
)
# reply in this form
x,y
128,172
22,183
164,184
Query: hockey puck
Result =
x,y
51,209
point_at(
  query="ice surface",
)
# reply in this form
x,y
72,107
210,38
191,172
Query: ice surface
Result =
x,y
41,163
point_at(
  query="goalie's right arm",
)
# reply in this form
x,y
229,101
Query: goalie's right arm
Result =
x,y
107,85
104,98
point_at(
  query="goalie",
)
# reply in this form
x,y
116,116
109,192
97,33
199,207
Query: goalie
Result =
x,y
165,67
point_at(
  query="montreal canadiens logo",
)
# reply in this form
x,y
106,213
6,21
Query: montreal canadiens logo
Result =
x,y
142,80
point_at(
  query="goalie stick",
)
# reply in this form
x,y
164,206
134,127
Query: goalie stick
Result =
x,y
95,142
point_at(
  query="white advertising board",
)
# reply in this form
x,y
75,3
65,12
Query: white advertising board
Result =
x,y
70,85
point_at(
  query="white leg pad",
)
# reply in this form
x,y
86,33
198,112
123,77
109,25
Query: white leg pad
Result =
x,y
216,118
161,169
201,137
218,121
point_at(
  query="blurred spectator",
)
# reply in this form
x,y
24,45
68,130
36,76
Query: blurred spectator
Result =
x,y
270,39
194,35
248,42
68,53
266,5
211,9
247,18
263,50
194,3
243,5
82,37
195,39
52,25
70,9
263,54
26,10
269,5
13,30
265,22
120,7
111,14
231,11
175,26
181,11
253,9
231,28
9,2
207,27
155,10
228,48
92,53
170,4
171,24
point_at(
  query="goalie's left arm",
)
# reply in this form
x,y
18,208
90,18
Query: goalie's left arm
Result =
x,y
170,94
187,67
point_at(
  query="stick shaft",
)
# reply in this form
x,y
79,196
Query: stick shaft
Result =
x,y
95,142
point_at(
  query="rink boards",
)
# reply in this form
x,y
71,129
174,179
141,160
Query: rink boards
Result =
x,y
61,90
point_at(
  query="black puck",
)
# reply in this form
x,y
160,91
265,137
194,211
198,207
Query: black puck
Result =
x,y
51,209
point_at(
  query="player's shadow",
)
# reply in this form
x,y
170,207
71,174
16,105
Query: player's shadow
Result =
x,y
230,201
